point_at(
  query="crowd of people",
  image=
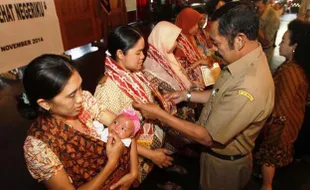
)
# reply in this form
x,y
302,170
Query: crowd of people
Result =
x,y
149,108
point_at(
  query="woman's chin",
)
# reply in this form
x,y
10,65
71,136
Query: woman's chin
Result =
x,y
140,67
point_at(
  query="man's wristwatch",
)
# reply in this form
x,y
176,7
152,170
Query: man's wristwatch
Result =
x,y
188,95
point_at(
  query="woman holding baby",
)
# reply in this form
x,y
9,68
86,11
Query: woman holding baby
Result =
x,y
124,83
63,149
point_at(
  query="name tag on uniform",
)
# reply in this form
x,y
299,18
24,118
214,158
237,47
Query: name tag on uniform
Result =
x,y
246,94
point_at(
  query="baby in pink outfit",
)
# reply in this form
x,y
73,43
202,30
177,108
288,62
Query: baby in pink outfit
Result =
x,y
125,125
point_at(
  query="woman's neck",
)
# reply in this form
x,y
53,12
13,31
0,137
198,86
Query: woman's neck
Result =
x,y
73,122
121,64
66,120
289,58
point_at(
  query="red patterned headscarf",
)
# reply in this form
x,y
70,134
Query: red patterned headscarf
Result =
x,y
187,19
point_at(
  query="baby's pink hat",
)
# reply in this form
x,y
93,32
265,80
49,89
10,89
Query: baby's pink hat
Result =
x,y
132,114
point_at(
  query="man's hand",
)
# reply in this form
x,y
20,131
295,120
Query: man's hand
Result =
x,y
176,97
148,110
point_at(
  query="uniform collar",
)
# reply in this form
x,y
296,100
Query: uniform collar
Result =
x,y
249,60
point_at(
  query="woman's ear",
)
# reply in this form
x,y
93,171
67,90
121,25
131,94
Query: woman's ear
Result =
x,y
44,104
119,54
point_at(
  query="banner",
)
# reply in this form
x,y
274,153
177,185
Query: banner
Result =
x,y
28,28
131,5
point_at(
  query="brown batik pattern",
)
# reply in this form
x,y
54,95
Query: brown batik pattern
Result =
x,y
281,132
82,156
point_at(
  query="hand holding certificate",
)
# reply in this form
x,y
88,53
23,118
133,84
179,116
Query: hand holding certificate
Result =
x,y
210,74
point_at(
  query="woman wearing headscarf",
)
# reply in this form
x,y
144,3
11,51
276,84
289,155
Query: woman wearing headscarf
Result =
x,y
188,20
161,62
191,50
166,74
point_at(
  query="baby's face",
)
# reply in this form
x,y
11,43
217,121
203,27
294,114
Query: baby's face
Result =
x,y
122,126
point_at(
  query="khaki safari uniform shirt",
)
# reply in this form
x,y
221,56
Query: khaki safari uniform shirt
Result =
x,y
242,100
269,22
304,6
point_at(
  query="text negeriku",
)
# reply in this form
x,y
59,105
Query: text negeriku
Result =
x,y
22,11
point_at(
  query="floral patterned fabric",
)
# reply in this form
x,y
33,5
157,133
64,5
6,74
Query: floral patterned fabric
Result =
x,y
52,145
41,161
186,55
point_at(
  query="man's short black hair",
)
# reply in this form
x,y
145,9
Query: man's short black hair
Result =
x,y
234,18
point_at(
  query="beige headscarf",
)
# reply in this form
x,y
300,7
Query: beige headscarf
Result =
x,y
162,38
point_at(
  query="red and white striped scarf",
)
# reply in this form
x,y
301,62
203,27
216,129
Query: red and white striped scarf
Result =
x,y
191,56
154,54
129,84
188,49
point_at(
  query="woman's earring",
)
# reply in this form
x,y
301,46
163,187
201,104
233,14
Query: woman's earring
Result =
x,y
293,50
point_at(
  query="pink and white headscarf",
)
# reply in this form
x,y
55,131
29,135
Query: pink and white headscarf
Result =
x,y
161,40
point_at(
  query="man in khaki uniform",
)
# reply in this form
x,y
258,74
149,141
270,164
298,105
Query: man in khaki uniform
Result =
x,y
235,109
304,11
269,22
